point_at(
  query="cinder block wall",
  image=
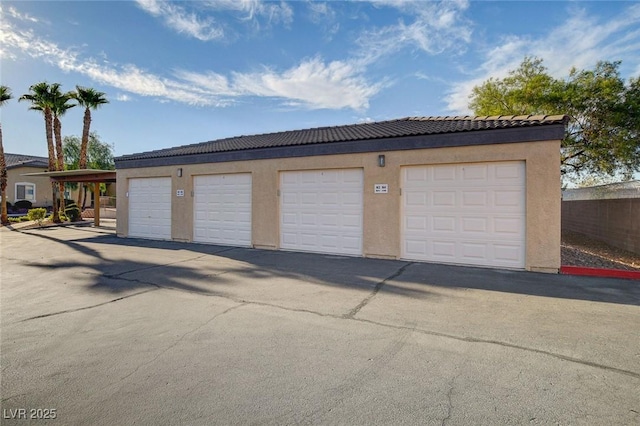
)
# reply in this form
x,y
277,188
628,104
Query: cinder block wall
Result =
x,y
615,221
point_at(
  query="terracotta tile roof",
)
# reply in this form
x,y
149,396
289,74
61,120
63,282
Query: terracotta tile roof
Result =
x,y
19,160
409,126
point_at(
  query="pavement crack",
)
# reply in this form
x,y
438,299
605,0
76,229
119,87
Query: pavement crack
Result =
x,y
180,339
449,403
507,345
351,314
84,308
24,394
428,332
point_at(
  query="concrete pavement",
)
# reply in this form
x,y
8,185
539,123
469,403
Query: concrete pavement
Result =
x,y
123,331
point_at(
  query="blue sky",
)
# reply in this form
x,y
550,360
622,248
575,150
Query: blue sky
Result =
x,y
185,72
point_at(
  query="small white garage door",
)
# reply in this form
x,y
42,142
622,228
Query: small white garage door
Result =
x,y
321,211
471,214
222,209
150,208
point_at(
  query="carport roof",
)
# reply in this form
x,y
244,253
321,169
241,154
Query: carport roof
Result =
x,y
80,175
333,138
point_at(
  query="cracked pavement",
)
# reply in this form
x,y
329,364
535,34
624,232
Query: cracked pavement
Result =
x,y
125,331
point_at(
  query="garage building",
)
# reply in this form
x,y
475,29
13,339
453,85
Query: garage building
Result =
x,y
481,191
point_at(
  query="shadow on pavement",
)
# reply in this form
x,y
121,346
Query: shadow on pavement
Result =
x,y
415,280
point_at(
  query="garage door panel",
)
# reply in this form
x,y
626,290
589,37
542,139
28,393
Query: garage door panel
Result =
x,y
416,198
508,171
321,211
473,251
507,253
507,225
352,221
222,209
150,208
474,173
440,174
443,198
465,213
475,225
510,198
413,223
474,198
440,224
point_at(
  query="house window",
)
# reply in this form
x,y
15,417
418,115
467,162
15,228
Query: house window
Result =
x,y
25,191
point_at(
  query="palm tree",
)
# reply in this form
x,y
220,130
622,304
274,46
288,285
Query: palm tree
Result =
x,y
90,99
59,106
5,95
42,100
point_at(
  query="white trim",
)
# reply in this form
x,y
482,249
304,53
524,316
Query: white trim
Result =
x,y
15,193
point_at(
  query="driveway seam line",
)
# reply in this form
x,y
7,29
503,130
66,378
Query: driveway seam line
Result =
x,y
351,314
84,308
119,275
174,344
438,334
507,345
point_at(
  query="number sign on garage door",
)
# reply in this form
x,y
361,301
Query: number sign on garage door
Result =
x,y
222,209
150,208
470,214
321,211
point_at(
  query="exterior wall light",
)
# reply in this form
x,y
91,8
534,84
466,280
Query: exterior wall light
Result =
x,y
381,160
180,172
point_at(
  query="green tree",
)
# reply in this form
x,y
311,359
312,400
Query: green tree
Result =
x,y
603,136
41,96
90,99
5,95
99,155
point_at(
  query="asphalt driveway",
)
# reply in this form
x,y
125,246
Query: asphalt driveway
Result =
x,y
101,330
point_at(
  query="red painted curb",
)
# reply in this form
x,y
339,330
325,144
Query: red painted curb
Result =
x,y
598,272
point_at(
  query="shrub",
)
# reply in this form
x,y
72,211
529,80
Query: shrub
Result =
x,y
37,214
61,215
73,212
23,204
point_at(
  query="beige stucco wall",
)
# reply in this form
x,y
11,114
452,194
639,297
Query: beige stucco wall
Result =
x,y
43,185
381,221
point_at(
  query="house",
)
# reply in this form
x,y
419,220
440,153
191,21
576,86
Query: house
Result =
x,y
35,189
481,191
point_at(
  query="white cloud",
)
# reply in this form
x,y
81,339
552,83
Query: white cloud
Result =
x,y
122,97
200,21
323,15
435,27
178,19
312,84
252,10
579,42
13,13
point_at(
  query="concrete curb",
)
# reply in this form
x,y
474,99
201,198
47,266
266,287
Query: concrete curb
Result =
x,y
599,272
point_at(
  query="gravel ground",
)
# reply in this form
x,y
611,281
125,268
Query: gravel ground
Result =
x,y
580,250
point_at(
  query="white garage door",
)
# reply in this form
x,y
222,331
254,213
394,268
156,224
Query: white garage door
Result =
x,y
470,214
150,208
222,209
321,211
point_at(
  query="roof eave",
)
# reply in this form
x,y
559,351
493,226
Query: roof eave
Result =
x,y
547,132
